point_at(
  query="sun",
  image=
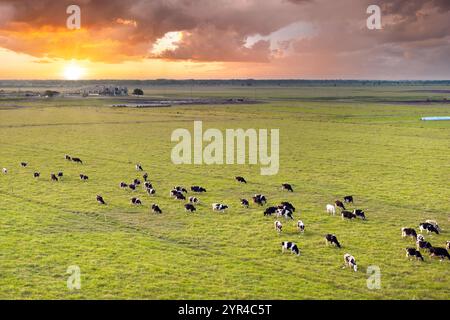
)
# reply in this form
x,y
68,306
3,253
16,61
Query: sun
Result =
x,y
73,71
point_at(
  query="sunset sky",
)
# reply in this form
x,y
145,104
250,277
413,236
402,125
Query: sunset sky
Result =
x,y
184,39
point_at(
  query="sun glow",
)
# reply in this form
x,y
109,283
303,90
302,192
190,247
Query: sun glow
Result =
x,y
73,71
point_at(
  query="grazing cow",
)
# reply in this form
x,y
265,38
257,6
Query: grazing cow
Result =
x,y
300,226
136,201
339,204
287,245
288,205
428,227
348,199
4,171
219,207
53,177
37,174
244,203
349,261
145,176
180,189
100,199
180,196
151,191
278,226
23,164
287,186
359,213
193,200
156,209
77,160
198,189
434,223
411,252
331,238
123,185
286,213
84,177
331,209
60,174
259,199
67,157
422,244
132,187
148,185
136,182
139,167
409,232
189,207
348,215
270,210
439,252
240,179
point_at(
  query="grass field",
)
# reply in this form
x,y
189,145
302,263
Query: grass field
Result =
x,y
333,142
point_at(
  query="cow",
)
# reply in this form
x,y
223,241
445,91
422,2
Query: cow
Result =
x,y
123,185
77,160
37,174
136,182
148,185
270,210
145,176
287,245
359,213
193,200
288,205
219,207
198,189
300,226
53,177
259,199
409,232
422,244
411,252
180,196
278,226
23,164
448,245
84,177
348,215
136,201
332,239
4,171
67,157
100,199
439,252
139,167
428,227
339,204
434,223
189,207
286,213
287,187
240,179
180,189
348,199
132,187
244,203
60,174
349,261
156,209
331,209
151,191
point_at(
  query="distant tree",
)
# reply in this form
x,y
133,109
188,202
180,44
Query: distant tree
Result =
x,y
138,92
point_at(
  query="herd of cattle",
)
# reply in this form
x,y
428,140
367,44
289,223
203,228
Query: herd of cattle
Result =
x,y
284,209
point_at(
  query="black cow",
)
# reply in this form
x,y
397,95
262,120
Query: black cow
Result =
x,y
180,196
339,204
156,209
331,238
67,157
259,199
422,244
123,185
198,189
132,187
137,182
148,185
245,203
145,176
287,186
240,179
359,213
348,199
441,253
180,189
270,210
100,199
348,215
288,205
23,164
37,174
409,232
136,201
84,177
60,174
53,177
411,252
189,207
77,160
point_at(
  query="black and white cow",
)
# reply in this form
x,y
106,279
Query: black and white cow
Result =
x,y
67,157
287,186
259,199
300,226
411,252
4,171
148,185
180,196
132,187
439,252
53,177
100,199
198,189
37,174
349,261
348,199
428,227
278,226
219,207
288,205
287,245
156,209
285,212
332,239
434,223
359,213
123,185
347,215
422,244
136,182
409,232
84,177
245,203
138,167
77,160
23,164
339,204
136,201
151,191
270,210
180,189
241,179
193,200
189,207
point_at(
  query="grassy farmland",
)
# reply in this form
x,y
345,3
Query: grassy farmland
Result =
x,y
333,142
